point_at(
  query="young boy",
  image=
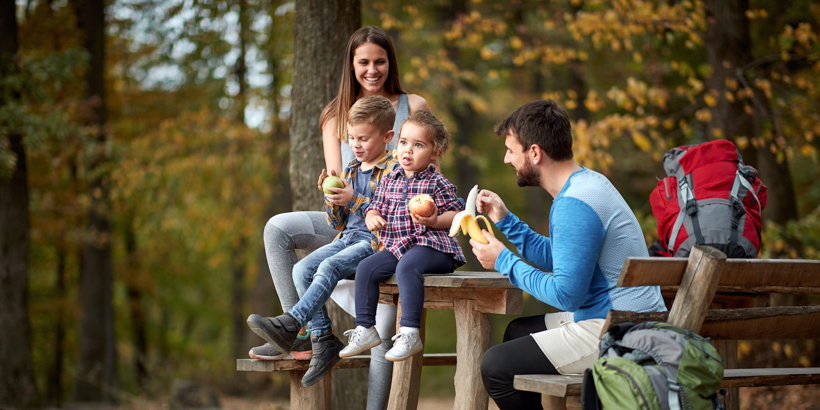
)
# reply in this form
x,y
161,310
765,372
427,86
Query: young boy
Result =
x,y
414,245
369,125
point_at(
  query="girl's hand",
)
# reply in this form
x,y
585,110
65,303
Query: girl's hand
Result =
x,y
428,221
342,196
374,221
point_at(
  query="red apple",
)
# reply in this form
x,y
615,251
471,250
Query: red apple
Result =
x,y
332,182
422,205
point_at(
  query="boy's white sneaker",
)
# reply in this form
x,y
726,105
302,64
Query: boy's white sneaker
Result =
x,y
359,340
406,345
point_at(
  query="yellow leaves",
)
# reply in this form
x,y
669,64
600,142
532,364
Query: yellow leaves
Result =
x,y
732,83
593,103
487,53
729,96
710,100
753,14
764,85
808,150
697,85
516,43
641,141
704,115
636,56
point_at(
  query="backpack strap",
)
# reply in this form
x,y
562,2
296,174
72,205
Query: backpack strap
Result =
x,y
690,208
737,203
674,394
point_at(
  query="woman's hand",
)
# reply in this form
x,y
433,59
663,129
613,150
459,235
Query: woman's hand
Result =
x,y
374,221
342,196
322,177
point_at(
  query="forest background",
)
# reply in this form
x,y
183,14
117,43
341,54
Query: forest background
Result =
x,y
144,144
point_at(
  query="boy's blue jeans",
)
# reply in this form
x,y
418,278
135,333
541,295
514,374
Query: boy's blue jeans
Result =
x,y
317,274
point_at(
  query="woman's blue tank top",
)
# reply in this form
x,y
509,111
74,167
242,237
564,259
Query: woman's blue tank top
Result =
x,y
402,112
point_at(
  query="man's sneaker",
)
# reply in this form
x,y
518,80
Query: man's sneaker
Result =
x,y
326,350
360,339
302,347
266,352
302,350
406,345
280,331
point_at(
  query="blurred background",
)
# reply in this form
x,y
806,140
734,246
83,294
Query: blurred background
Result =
x,y
144,144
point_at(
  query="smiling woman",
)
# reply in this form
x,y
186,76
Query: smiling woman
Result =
x,y
370,68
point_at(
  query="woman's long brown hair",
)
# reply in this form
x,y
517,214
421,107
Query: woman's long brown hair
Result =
x,y
349,87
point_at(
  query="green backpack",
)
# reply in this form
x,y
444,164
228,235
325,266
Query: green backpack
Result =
x,y
655,366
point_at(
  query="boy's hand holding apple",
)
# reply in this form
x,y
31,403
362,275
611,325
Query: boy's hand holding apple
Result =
x,y
337,191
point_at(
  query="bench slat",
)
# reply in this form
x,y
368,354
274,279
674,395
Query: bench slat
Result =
x,y
558,385
739,275
765,323
570,385
355,362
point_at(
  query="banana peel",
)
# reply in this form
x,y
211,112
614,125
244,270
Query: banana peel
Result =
x,y
467,222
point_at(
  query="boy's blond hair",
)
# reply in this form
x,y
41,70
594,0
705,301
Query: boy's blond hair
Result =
x,y
433,128
375,110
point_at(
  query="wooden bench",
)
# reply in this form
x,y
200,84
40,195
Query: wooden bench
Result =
x,y
695,282
471,295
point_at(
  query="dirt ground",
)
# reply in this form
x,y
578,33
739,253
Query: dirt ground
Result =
x,y
761,398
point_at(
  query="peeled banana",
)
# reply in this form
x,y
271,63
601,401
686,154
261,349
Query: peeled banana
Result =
x,y
467,222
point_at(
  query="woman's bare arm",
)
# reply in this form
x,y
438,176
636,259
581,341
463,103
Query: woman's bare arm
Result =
x,y
332,148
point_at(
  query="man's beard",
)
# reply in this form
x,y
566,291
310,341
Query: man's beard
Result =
x,y
528,176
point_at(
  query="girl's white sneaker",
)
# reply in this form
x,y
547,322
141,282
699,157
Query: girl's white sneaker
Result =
x,y
359,340
406,345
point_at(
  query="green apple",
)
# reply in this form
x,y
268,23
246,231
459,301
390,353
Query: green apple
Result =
x,y
332,182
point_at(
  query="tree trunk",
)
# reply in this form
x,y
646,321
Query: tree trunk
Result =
x,y
238,265
134,286
97,376
17,388
55,374
728,47
321,31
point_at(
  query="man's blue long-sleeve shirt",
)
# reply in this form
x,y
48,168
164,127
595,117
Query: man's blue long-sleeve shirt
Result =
x,y
592,232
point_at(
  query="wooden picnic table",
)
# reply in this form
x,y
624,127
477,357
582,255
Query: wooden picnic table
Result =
x,y
472,296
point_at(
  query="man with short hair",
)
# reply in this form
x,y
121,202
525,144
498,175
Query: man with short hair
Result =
x,y
592,231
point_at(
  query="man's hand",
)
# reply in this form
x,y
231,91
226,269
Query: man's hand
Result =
x,y
487,254
342,196
374,221
490,203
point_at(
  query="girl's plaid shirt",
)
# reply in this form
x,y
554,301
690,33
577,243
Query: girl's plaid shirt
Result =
x,y
337,216
400,234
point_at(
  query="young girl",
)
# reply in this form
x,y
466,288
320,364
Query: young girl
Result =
x,y
413,245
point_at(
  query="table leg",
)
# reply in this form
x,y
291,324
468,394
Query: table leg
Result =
x,y
404,390
473,339
728,351
316,397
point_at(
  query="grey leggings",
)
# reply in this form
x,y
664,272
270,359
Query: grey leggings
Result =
x,y
309,230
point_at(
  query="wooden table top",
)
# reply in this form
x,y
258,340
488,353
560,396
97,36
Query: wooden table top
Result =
x,y
463,279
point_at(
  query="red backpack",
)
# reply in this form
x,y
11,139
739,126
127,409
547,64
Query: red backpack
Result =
x,y
709,198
